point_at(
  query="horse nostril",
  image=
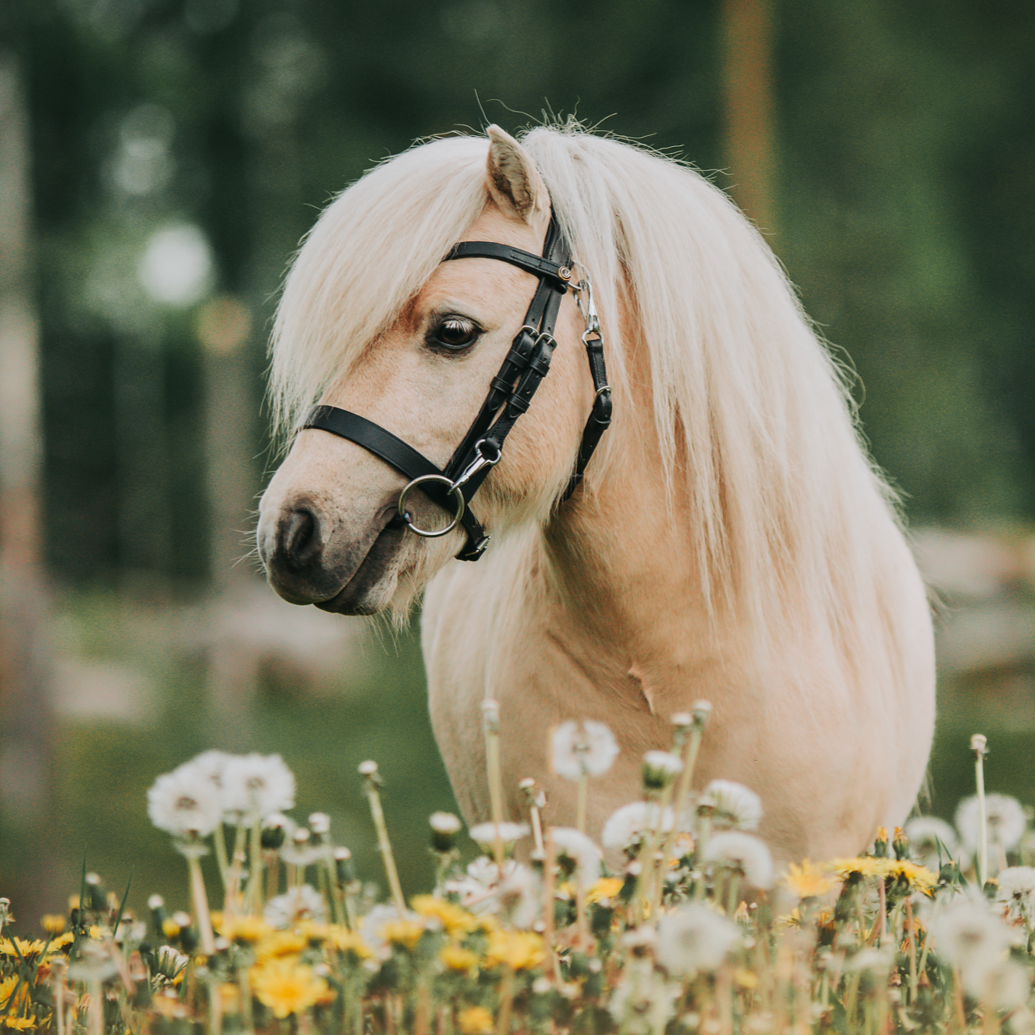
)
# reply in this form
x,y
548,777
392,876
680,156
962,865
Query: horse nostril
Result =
x,y
300,538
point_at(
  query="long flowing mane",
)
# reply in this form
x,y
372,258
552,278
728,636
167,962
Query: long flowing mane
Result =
x,y
785,508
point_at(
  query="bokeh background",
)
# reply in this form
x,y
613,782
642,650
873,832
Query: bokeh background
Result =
x,y
159,162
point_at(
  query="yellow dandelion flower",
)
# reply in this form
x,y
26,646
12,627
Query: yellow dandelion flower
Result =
x,y
53,923
344,940
458,960
809,880
791,919
60,942
606,887
18,1023
170,928
278,945
405,933
917,877
246,929
519,950
744,978
453,918
20,947
13,998
475,1020
860,866
287,987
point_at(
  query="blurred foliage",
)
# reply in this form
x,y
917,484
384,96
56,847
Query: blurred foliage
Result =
x,y
907,173
906,215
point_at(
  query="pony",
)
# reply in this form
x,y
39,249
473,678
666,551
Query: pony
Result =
x,y
730,540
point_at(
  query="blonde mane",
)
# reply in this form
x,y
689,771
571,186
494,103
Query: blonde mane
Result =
x,y
785,509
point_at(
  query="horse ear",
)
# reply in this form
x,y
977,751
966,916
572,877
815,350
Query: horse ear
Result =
x,y
514,182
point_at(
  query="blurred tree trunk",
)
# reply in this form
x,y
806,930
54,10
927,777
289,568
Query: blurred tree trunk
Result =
x,y
26,719
224,328
747,43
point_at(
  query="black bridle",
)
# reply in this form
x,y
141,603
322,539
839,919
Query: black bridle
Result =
x,y
510,393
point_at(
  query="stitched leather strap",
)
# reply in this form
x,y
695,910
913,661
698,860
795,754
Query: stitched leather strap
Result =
x,y
396,453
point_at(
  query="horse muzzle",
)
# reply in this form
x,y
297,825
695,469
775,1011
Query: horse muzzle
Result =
x,y
311,559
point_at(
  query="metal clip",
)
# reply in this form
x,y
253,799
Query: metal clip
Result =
x,y
488,456
588,309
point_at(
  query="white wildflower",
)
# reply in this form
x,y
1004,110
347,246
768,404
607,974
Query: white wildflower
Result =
x,y
743,852
1017,891
1005,821
693,938
731,805
302,902
968,936
185,803
577,852
485,833
626,826
255,785
587,747
931,839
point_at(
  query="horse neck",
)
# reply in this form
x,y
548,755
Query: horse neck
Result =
x,y
623,577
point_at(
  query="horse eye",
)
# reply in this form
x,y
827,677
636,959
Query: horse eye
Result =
x,y
454,332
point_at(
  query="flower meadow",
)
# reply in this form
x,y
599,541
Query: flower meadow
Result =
x,y
677,921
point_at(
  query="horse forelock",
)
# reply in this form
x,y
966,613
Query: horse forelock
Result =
x,y
755,433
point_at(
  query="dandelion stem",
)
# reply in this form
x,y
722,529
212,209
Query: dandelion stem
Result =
x,y
582,795
978,743
911,935
200,900
383,843
490,711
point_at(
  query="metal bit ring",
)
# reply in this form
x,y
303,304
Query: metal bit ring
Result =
x,y
454,491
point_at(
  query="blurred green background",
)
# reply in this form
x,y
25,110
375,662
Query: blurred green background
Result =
x,y
160,161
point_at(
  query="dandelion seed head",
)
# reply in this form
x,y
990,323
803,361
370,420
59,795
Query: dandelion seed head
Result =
x,y
579,852
694,938
743,852
255,785
967,935
660,768
925,833
588,747
1005,821
732,805
1016,890
626,826
302,902
485,833
184,803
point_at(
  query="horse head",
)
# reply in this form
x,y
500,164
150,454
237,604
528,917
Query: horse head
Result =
x,y
329,532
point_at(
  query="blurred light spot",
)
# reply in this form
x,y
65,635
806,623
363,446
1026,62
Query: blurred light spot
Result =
x,y
205,16
142,164
224,324
177,266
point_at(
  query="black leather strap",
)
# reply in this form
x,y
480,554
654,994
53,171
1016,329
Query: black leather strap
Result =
x,y
540,265
396,453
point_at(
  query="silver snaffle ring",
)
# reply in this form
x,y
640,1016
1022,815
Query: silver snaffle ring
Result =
x,y
454,491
